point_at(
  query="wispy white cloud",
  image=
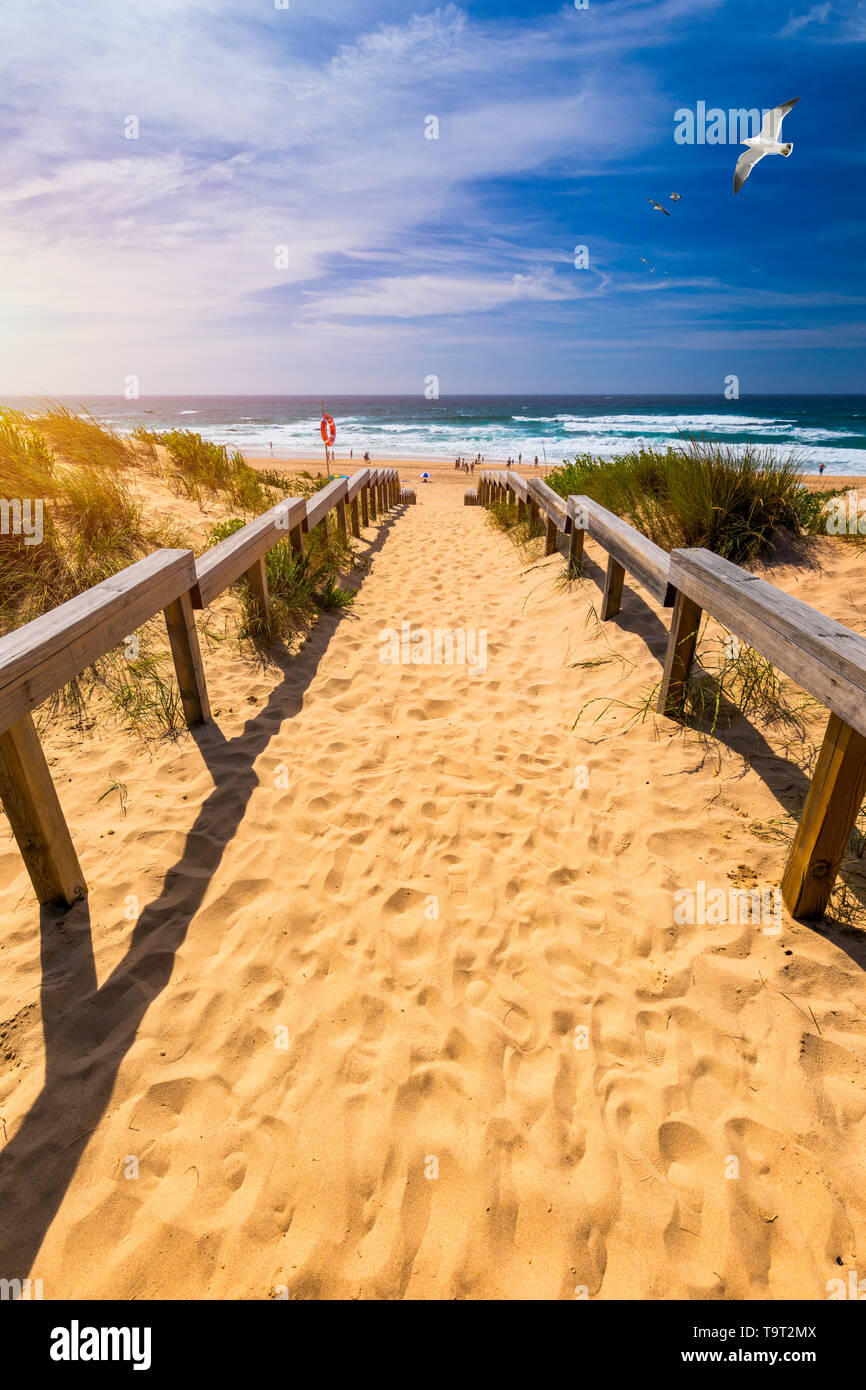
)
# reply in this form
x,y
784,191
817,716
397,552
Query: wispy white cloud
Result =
x,y
304,128
818,14
417,296
840,22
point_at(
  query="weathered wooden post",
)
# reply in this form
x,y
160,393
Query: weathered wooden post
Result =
x,y
373,508
183,640
33,810
682,640
578,517
341,520
831,809
356,525
575,551
550,540
257,579
365,510
611,601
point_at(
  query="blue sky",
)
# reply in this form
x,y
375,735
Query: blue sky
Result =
x,y
261,128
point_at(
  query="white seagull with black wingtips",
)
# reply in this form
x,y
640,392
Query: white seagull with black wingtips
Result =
x,y
765,143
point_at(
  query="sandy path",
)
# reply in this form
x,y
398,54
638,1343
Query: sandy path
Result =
x,y
340,1039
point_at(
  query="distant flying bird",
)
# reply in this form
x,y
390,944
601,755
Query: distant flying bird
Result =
x,y
765,143
646,262
676,197
658,207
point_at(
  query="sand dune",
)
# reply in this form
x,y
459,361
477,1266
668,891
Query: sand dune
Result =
x,y
328,987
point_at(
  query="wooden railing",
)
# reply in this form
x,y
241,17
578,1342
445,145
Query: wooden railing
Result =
x,y
826,659
532,496
39,658
627,550
243,554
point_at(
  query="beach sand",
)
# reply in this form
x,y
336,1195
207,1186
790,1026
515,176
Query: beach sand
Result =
x,y
318,1028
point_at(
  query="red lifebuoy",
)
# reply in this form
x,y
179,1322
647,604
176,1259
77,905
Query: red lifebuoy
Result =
x,y
329,429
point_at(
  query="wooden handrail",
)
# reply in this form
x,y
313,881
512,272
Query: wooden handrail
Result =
x,y
357,482
550,502
42,656
324,501
826,659
628,550
243,552
225,562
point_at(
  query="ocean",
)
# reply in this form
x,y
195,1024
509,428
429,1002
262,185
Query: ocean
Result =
x,y
816,429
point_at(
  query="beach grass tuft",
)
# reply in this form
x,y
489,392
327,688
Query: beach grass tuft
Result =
x,y
298,585
731,499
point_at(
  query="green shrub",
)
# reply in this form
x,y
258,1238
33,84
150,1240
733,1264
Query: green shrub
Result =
x,y
732,500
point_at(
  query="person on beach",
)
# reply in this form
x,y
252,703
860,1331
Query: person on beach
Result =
x,y
367,457
272,450
536,460
820,468
519,460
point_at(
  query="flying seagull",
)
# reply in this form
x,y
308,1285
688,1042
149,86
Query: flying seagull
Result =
x,y
658,207
765,143
646,262
676,197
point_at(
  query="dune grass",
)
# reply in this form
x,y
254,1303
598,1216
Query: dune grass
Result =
x,y
79,440
734,500
203,471
524,530
91,524
76,478
299,586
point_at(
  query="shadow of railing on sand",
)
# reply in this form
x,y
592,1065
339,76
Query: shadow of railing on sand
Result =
x,y
88,1029
788,779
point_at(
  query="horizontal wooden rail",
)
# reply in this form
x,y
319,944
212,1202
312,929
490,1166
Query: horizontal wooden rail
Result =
x,y
550,503
358,481
242,554
324,501
540,499
628,551
225,562
826,659
38,659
